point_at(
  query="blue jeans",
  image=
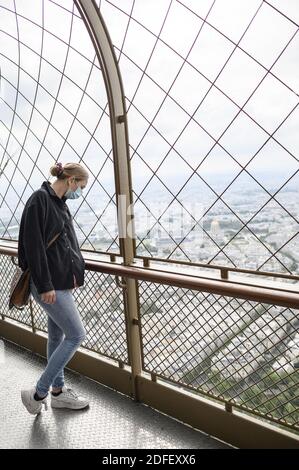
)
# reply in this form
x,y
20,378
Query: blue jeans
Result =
x,y
65,334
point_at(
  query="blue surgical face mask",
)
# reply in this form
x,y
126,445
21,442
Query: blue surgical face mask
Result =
x,y
73,194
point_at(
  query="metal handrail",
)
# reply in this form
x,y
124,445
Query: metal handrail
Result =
x,y
145,260
215,267
282,297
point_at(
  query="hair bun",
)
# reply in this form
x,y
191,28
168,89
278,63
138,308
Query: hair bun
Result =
x,y
59,168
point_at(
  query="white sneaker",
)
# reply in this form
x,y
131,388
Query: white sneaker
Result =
x,y
33,406
68,399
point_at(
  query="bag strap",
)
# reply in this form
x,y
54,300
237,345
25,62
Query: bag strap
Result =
x,y
53,239
57,235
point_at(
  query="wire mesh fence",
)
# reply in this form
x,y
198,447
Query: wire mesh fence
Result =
x,y
100,305
205,126
242,352
101,308
238,351
53,107
203,116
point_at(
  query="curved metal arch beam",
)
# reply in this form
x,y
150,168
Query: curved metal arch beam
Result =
x,y
98,32
100,37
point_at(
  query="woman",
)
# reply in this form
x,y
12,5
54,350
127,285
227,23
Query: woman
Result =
x,y
55,271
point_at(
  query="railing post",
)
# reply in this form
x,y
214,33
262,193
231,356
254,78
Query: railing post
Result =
x,y
99,35
32,316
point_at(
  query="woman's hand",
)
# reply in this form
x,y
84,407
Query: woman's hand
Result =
x,y
49,297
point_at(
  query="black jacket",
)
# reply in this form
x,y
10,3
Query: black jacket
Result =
x,y
46,214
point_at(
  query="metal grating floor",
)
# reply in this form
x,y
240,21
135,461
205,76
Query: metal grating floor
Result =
x,y
113,421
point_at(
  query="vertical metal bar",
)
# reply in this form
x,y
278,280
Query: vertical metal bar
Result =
x,y
228,407
99,35
32,316
224,273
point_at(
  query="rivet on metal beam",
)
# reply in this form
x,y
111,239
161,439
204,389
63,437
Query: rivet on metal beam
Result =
x,y
228,407
120,119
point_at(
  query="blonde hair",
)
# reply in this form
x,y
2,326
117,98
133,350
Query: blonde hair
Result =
x,y
69,169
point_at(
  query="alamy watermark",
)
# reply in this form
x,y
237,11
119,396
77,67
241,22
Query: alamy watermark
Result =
x,y
157,220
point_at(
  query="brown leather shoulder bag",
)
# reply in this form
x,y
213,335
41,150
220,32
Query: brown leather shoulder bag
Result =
x,y
19,287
